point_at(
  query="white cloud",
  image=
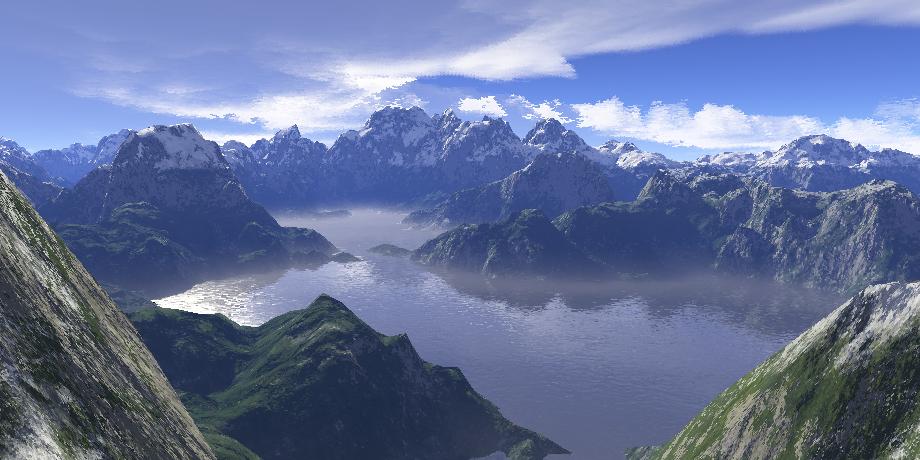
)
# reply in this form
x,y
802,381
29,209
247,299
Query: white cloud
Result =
x,y
541,111
248,139
895,125
486,105
275,71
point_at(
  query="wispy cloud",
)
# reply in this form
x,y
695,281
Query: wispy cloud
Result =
x,y
894,125
305,64
541,111
486,105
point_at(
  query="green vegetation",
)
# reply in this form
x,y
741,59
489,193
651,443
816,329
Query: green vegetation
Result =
x,y
320,383
841,390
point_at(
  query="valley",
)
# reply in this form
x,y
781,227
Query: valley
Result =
x,y
597,367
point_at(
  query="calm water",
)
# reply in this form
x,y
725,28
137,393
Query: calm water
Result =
x,y
597,368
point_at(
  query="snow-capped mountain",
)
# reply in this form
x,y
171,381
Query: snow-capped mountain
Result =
x,y
281,171
171,188
820,163
31,178
71,163
399,156
550,135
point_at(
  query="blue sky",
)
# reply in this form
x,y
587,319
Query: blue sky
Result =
x,y
681,77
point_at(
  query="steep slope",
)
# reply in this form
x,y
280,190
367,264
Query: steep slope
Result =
x,y
75,379
526,243
552,183
71,163
169,212
28,176
320,383
846,388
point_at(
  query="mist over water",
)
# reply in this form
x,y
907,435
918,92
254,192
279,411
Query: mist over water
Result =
x,y
597,367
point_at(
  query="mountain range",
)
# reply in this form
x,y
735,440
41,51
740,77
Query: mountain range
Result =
x,y
404,157
684,222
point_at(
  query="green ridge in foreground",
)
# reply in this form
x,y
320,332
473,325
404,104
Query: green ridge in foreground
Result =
x,y
320,383
846,388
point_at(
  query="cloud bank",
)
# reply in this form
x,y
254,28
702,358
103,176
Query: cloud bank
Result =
x,y
895,125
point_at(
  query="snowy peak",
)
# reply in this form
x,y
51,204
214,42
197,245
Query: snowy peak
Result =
x,y
287,134
171,147
817,150
550,135
618,148
108,146
627,155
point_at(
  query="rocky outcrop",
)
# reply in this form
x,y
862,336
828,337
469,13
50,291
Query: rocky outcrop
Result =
x,y
75,379
846,388
320,383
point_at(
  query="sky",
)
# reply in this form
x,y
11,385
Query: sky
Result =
x,y
681,77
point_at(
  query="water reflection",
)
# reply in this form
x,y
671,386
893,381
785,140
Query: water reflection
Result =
x,y
597,367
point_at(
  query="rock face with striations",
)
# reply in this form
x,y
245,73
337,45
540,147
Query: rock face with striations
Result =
x,y
75,379
169,212
320,383
846,388
552,183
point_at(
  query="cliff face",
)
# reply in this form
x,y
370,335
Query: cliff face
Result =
x,y
846,388
320,383
75,379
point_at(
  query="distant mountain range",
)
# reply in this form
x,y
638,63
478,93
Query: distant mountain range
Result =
x,y
404,157
684,221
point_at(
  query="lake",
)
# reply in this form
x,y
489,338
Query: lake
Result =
x,y
597,367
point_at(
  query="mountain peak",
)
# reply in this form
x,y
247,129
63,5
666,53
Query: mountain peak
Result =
x,y
171,147
815,150
291,133
618,148
549,135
